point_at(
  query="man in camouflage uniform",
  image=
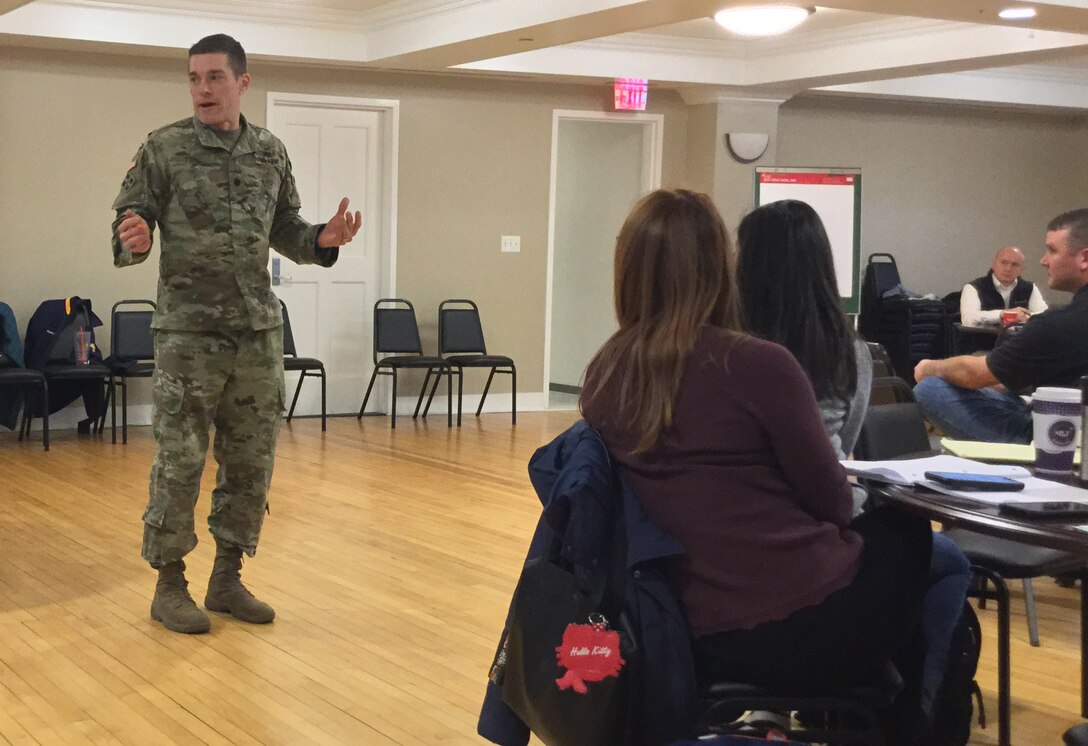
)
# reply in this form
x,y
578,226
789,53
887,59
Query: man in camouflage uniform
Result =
x,y
220,192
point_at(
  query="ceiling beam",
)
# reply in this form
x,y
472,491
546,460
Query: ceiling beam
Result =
x,y
463,33
167,29
9,5
613,58
946,48
836,59
1054,15
1004,87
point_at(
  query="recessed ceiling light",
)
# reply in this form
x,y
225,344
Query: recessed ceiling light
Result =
x,y
1017,14
762,20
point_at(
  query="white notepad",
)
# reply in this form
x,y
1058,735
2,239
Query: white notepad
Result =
x,y
912,471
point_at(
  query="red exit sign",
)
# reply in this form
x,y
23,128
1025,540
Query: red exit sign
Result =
x,y
630,94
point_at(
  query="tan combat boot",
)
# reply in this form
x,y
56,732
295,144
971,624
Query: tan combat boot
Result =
x,y
173,606
227,595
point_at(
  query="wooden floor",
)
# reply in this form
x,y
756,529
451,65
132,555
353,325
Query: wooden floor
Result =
x,y
389,556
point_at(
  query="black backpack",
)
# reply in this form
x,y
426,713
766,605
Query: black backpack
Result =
x,y
950,724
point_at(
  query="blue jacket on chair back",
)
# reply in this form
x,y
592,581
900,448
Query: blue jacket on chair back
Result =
x,y
11,399
582,496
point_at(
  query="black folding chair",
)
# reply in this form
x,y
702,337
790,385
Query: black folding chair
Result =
x,y
11,374
132,354
396,336
305,366
848,715
59,370
461,344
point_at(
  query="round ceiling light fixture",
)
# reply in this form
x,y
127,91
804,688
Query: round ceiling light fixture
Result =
x,y
762,20
1017,14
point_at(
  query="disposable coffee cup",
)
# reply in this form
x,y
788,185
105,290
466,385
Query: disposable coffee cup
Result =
x,y
1056,415
1009,316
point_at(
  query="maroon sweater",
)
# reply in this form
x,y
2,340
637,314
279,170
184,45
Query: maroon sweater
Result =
x,y
748,484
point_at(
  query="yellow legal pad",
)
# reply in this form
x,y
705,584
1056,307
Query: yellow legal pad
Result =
x,y
1004,453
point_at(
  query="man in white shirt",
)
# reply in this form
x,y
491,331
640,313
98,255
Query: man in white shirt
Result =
x,y
983,299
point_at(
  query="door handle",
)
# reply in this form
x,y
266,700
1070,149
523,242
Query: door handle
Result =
x,y
277,277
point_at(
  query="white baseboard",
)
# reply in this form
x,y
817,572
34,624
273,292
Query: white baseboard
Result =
x,y
70,416
140,414
536,401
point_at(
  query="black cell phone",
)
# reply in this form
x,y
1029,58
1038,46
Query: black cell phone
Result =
x,y
1056,509
983,482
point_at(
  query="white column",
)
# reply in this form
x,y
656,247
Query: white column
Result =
x,y
710,165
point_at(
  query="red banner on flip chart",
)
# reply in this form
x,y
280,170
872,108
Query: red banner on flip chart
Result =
x,y
807,178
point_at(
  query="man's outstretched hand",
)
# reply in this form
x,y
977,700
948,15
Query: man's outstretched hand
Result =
x,y
134,233
341,228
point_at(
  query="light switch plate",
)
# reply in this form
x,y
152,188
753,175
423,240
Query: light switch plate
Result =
x,y
510,244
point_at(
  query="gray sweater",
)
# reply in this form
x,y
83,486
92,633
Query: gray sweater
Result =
x,y
842,418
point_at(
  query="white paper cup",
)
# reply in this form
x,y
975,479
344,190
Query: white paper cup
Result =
x,y
1055,414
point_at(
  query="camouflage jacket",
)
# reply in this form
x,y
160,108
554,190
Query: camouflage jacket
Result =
x,y
217,210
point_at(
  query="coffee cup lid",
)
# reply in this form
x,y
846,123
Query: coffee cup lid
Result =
x,y
1057,394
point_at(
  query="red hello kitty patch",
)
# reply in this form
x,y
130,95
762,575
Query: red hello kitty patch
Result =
x,y
589,653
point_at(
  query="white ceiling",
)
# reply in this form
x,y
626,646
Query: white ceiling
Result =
x,y
950,50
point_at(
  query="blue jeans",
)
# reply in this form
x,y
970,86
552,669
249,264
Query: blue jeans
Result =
x,y
974,414
949,576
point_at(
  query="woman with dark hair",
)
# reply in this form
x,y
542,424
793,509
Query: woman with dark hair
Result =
x,y
790,296
722,442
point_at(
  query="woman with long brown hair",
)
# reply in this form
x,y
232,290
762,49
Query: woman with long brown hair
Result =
x,y
719,435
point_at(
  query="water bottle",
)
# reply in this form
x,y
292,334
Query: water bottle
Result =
x,y
83,347
1082,470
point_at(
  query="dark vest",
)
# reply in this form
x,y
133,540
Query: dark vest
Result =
x,y
991,300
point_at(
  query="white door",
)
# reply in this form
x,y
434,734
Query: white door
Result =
x,y
601,165
336,151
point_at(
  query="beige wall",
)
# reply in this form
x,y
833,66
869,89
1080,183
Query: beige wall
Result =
x,y
702,139
474,165
945,187
1080,190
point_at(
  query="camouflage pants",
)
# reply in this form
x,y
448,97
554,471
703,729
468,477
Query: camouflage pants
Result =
x,y
233,380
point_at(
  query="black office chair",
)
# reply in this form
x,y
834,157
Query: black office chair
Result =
x,y
396,335
882,364
894,429
461,343
898,430
27,379
132,354
965,340
305,366
841,716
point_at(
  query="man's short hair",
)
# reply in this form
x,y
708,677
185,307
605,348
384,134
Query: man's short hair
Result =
x,y
1077,223
223,44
